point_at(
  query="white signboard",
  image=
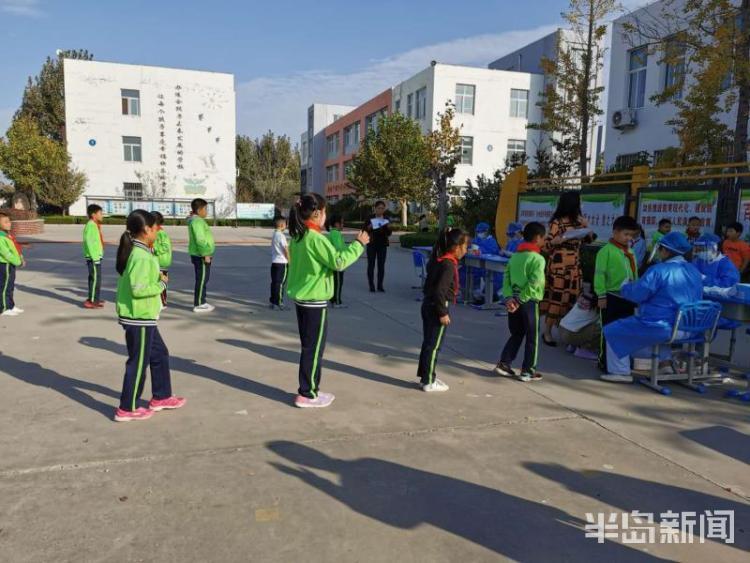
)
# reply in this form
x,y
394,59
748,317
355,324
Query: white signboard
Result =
x,y
678,207
743,213
256,211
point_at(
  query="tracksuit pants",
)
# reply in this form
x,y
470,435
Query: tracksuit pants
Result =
x,y
312,320
433,334
95,281
338,284
202,275
278,282
617,309
376,254
7,285
146,350
523,324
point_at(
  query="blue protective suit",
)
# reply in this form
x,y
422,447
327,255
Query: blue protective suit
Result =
x,y
639,250
487,246
512,245
719,272
660,293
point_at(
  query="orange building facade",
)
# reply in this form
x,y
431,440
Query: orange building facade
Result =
x,y
343,139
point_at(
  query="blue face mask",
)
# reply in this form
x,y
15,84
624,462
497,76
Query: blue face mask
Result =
x,y
483,235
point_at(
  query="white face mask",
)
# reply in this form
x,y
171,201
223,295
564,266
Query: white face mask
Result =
x,y
708,255
483,235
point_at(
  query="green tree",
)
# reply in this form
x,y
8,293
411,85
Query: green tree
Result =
x,y
44,96
444,149
268,169
710,41
571,98
28,158
393,163
62,185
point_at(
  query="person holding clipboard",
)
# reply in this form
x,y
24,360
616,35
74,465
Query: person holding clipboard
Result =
x,y
379,229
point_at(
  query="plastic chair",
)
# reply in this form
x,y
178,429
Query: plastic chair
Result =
x,y
420,267
695,324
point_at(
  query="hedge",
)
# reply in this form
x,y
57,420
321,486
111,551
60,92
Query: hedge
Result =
x,y
411,240
119,220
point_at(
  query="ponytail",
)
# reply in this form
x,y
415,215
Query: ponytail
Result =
x,y
301,211
136,223
447,240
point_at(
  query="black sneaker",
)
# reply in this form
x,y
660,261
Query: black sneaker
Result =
x,y
504,369
530,376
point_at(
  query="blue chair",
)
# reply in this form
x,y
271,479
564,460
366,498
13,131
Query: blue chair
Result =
x,y
420,267
695,325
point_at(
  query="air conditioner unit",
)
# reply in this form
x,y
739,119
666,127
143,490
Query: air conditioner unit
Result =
x,y
624,119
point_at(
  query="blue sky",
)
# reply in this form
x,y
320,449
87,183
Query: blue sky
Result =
x,y
285,54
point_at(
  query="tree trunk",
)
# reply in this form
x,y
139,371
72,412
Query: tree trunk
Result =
x,y
585,93
739,151
442,201
404,213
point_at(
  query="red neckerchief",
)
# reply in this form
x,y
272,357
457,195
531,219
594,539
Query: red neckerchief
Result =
x,y
529,247
313,226
628,255
15,243
456,282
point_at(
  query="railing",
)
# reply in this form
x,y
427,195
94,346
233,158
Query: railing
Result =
x,y
172,208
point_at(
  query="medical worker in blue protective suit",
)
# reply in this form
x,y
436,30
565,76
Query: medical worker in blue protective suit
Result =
x,y
486,244
717,270
515,237
659,294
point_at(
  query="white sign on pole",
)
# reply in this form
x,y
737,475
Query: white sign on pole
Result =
x,y
256,211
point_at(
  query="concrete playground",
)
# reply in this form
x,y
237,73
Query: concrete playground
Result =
x,y
492,470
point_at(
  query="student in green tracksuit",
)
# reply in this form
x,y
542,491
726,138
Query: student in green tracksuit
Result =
x,y
312,262
10,259
138,306
337,240
201,248
93,252
162,250
523,289
615,265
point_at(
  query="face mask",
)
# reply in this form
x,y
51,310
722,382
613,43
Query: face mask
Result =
x,y
483,235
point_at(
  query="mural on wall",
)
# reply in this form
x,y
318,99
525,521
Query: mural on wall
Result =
x,y
195,186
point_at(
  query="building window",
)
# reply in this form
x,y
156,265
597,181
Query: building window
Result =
x,y
409,105
397,106
519,103
421,109
627,161
332,173
465,98
674,67
371,121
637,60
351,138
303,152
516,146
332,145
467,150
348,169
131,102
132,149
132,190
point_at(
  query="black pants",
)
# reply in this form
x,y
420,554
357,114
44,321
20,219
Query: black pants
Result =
x,y
7,286
338,284
146,349
278,281
313,329
376,253
433,334
617,308
202,275
95,280
523,324
164,293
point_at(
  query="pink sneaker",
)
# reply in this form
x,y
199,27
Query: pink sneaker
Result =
x,y
321,401
138,414
166,404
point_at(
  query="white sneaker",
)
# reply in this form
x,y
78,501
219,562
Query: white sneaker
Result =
x,y
436,386
205,308
18,310
614,378
9,313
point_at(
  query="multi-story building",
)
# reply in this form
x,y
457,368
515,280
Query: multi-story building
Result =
x,y
638,71
529,59
150,133
313,144
343,139
493,108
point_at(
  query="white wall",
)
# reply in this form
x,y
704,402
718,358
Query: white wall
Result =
x,y
93,113
491,124
322,116
652,133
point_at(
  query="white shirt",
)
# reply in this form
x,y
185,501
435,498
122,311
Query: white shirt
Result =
x,y
278,246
